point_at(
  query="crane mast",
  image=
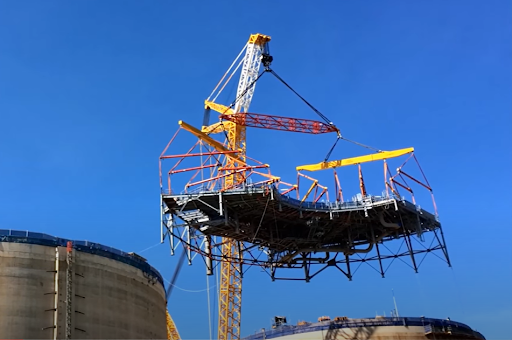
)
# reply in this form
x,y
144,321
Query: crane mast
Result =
x,y
256,49
230,291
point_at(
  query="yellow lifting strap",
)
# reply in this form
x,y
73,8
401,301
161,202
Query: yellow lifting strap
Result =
x,y
355,160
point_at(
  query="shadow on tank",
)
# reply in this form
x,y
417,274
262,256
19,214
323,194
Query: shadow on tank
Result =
x,y
337,332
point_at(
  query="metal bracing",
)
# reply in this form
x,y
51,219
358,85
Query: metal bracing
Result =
x,y
235,199
379,254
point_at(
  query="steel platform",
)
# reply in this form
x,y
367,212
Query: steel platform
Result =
x,y
261,215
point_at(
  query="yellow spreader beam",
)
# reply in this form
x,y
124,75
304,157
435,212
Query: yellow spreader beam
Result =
x,y
355,160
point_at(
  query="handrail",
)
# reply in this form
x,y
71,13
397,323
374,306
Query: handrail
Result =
x,y
352,323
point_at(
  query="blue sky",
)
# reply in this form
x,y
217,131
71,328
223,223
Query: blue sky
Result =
x,y
91,92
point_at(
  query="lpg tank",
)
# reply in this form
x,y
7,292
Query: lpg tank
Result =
x,y
53,288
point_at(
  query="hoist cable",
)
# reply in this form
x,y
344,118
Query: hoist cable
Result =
x,y
332,148
360,144
246,89
304,100
321,116
238,98
350,141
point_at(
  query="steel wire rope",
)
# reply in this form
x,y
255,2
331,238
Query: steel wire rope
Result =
x,y
330,151
235,101
240,97
150,247
221,122
261,220
361,144
321,115
303,99
329,122
189,290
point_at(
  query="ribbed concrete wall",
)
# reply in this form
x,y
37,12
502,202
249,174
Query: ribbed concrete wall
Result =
x,y
109,299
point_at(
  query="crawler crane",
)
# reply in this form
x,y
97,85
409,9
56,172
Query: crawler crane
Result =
x,y
229,205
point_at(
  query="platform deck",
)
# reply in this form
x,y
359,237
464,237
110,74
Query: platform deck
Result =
x,y
261,215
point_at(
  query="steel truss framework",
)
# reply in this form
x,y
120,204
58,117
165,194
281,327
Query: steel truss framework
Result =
x,y
235,213
387,249
275,231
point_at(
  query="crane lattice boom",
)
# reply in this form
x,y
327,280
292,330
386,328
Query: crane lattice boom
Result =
x,y
230,291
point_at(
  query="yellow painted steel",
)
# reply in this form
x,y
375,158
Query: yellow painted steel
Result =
x,y
236,141
222,109
172,331
355,160
258,39
236,138
315,183
220,126
212,142
216,127
230,290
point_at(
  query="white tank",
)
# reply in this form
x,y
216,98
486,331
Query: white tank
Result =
x,y
52,289
378,328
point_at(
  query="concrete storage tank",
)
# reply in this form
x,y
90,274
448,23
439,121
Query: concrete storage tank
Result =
x,y
378,328
53,288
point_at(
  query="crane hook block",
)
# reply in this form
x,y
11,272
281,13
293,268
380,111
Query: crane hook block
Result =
x,y
266,59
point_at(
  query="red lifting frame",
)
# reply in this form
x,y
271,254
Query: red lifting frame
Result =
x,y
279,123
